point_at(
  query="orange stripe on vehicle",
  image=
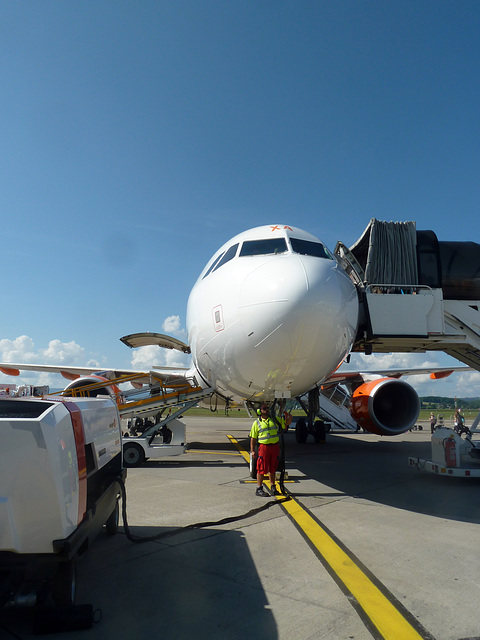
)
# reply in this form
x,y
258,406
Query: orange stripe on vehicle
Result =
x,y
79,435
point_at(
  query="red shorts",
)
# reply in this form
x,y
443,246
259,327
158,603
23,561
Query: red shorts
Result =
x,y
268,456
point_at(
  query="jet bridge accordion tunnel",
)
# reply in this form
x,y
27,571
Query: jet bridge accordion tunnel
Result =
x,y
452,266
395,253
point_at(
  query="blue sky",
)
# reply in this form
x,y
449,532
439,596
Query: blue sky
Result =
x,y
137,137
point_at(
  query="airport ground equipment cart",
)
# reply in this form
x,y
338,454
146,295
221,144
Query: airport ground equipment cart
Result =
x,y
61,474
454,453
165,438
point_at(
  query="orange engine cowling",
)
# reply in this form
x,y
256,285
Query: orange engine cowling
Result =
x,y
385,406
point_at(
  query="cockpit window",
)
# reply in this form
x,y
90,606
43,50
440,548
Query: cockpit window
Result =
x,y
309,248
213,265
263,247
223,258
228,255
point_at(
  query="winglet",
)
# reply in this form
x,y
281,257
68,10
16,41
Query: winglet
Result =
x,y
10,372
69,376
437,375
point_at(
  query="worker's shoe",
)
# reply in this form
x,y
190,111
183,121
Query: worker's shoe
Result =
x,y
260,492
273,491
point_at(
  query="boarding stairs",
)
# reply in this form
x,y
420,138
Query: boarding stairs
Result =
x,y
334,408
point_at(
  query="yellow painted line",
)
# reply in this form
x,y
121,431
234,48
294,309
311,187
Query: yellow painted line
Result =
x,y
240,449
387,619
390,623
213,453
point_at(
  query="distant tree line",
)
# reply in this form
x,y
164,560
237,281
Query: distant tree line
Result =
x,y
439,402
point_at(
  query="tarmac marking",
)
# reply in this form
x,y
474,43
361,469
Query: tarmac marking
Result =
x,y
240,449
213,453
383,615
255,482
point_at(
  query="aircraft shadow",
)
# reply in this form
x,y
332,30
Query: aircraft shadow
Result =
x,y
377,469
219,448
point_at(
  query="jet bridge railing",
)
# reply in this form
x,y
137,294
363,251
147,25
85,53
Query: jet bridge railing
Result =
x,y
401,289
404,309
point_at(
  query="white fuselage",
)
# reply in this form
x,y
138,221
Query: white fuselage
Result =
x,y
276,315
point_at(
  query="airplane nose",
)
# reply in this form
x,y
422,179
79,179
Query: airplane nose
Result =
x,y
302,318
269,293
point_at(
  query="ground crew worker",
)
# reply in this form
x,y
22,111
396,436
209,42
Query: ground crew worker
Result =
x,y
265,431
459,419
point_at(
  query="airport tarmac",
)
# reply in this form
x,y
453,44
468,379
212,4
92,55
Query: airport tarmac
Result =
x,y
367,547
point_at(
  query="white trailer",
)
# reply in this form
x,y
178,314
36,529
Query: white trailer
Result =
x,y
452,454
165,438
61,475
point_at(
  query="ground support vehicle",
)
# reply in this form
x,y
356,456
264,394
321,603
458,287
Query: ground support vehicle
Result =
x,y
61,474
165,438
454,453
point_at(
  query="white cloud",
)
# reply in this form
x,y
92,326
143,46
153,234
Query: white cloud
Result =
x,y
392,361
172,325
144,358
59,352
462,384
22,350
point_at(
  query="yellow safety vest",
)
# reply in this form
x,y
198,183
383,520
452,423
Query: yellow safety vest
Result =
x,y
267,431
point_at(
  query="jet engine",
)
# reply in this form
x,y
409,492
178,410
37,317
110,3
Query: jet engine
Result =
x,y
385,406
88,381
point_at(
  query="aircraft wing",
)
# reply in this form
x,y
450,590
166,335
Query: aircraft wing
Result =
x,y
72,373
133,340
354,377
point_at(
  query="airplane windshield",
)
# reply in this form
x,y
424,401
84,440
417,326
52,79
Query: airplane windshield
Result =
x,y
214,264
223,258
227,256
263,247
309,248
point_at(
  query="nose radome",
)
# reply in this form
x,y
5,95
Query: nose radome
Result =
x,y
268,294
288,283
291,301
274,280
296,320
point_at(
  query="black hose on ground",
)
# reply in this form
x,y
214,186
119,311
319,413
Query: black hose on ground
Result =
x,y
190,527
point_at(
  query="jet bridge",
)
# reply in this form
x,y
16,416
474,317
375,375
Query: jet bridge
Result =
x,y
416,293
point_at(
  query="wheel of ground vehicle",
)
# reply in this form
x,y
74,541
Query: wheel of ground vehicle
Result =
x,y
64,584
111,525
133,454
301,431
